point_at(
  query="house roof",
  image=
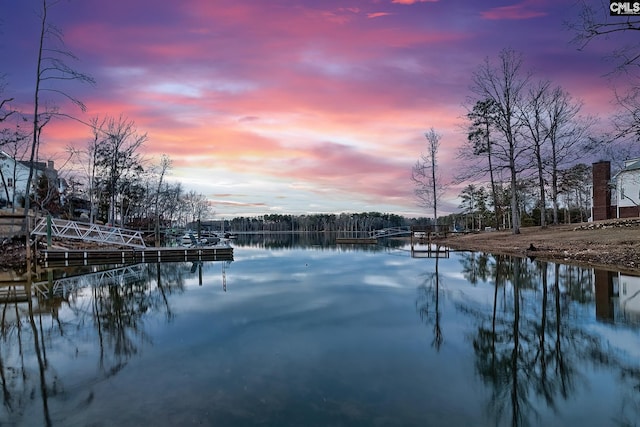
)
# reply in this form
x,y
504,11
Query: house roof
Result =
x,y
632,164
41,166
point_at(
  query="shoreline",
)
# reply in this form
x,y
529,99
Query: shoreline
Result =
x,y
608,245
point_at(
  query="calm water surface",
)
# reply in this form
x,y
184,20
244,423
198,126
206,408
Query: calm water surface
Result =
x,y
307,333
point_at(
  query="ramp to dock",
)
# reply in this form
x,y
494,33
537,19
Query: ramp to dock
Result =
x,y
61,228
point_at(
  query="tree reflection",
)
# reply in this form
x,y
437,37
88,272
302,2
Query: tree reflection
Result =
x,y
476,267
530,352
500,351
104,309
13,372
428,302
40,356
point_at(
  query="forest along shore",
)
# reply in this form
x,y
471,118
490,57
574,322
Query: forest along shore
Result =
x,y
610,244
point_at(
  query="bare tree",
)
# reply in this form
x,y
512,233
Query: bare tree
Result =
x,y
425,176
533,115
574,184
171,201
92,154
51,67
474,203
196,206
117,159
9,138
4,132
504,85
594,22
568,137
165,165
14,143
84,164
557,136
5,112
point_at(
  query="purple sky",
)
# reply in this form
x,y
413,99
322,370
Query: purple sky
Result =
x,y
290,106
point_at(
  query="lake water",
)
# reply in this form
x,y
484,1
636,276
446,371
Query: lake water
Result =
x,y
300,332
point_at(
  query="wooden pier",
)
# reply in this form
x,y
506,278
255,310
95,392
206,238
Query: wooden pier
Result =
x,y
427,235
437,252
13,292
53,258
356,240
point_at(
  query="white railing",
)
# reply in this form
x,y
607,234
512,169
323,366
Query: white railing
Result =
x,y
61,228
64,287
389,232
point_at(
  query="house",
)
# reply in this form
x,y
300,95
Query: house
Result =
x,y
14,175
617,196
627,189
621,288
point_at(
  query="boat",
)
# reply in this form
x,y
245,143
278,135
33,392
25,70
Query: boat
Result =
x,y
186,239
190,240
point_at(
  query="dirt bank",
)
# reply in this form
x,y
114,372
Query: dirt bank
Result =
x,y
12,254
613,244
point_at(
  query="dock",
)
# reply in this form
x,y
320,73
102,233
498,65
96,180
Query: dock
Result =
x,y
437,252
13,292
357,240
57,258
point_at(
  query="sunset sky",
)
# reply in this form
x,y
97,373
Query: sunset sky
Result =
x,y
295,106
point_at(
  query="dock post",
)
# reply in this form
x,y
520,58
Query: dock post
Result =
x,y
48,231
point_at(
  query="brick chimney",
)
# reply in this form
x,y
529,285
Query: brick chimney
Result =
x,y
601,191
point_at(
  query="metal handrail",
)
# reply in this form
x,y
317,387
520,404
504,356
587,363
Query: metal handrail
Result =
x,y
90,232
65,286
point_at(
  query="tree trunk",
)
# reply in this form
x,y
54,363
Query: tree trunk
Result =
x,y
515,217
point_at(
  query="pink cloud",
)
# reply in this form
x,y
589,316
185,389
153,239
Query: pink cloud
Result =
x,y
524,10
256,89
235,204
377,14
413,1
344,168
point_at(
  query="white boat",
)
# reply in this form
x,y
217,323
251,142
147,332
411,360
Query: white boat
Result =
x,y
190,240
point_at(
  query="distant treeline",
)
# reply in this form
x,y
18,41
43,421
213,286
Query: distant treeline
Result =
x,y
356,222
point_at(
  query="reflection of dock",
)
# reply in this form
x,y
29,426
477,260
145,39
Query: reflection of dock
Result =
x,y
13,292
437,252
65,286
49,258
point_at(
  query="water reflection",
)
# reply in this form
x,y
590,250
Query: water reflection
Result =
x,y
530,344
318,240
428,301
96,309
314,336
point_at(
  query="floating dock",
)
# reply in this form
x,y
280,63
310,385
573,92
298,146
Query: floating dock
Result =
x,y
357,240
53,258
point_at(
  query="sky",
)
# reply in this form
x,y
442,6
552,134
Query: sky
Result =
x,y
294,106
